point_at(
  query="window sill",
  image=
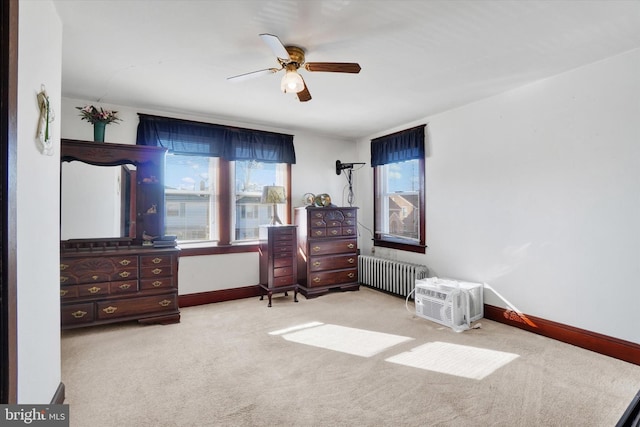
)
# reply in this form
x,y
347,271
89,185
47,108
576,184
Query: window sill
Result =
x,y
198,249
400,245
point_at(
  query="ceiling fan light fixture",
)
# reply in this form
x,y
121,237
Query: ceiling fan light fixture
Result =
x,y
292,82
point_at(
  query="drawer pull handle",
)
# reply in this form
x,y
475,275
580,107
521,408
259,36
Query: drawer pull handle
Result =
x,y
94,289
351,260
63,279
164,303
316,248
316,279
316,264
79,314
156,260
124,286
351,246
110,309
319,223
349,231
64,266
334,232
351,275
156,271
318,215
157,284
125,262
124,274
95,277
319,233
63,292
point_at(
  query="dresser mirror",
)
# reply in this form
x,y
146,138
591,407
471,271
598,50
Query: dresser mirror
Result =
x,y
111,192
97,201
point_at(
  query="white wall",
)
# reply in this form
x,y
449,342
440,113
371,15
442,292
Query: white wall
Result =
x,y
314,172
537,193
38,269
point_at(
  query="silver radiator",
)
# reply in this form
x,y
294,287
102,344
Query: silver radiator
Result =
x,y
396,277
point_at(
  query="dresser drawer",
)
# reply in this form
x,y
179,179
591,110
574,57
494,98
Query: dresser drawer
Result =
x,y
157,283
134,306
93,289
283,271
332,247
125,273
322,263
283,250
285,261
77,313
158,271
123,287
284,281
285,234
68,292
330,278
155,260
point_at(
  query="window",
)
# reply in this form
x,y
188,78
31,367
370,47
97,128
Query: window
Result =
x,y
194,200
249,177
398,162
214,176
190,198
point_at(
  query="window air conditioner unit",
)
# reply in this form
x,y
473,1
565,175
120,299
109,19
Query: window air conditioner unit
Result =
x,y
449,302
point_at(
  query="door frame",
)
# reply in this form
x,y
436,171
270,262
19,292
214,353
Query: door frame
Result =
x,y
8,223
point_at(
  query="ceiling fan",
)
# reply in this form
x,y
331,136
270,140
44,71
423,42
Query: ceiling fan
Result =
x,y
291,58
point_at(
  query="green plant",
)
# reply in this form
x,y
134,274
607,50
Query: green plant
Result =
x,y
97,115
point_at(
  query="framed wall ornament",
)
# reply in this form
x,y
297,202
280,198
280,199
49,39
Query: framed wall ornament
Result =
x,y
43,134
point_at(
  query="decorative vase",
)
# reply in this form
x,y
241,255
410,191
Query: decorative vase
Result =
x,y
98,131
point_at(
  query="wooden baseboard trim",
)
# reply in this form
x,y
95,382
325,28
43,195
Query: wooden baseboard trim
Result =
x,y
603,344
219,296
58,397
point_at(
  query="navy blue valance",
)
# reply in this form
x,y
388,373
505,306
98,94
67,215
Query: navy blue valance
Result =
x,y
205,139
398,147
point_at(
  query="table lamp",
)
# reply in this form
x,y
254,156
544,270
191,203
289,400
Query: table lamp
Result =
x,y
274,194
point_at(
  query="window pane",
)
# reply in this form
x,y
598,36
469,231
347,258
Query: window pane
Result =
x,y
398,200
249,212
190,192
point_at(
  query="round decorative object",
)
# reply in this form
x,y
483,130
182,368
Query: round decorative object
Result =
x,y
309,199
323,200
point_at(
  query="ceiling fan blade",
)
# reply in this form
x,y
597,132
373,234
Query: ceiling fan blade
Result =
x,y
252,75
333,67
276,46
304,95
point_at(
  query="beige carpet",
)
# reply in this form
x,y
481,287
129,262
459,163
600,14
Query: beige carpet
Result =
x,y
342,359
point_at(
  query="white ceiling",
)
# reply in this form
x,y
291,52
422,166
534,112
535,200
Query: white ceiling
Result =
x,y
417,57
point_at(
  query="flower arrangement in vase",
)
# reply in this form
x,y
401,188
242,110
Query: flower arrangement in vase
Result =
x,y
99,117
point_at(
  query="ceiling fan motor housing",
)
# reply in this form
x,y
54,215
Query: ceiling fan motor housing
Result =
x,y
296,56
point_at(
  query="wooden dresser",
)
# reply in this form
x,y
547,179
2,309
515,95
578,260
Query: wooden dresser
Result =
x,y
327,249
113,285
278,268
120,278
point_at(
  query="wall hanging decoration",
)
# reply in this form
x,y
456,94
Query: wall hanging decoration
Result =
x,y
43,134
99,118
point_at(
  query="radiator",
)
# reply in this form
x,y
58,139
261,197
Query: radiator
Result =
x,y
391,276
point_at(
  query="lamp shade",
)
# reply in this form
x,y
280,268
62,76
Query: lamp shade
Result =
x,y
292,82
273,194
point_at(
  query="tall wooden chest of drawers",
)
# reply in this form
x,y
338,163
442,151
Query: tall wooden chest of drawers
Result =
x,y
106,286
327,249
278,268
